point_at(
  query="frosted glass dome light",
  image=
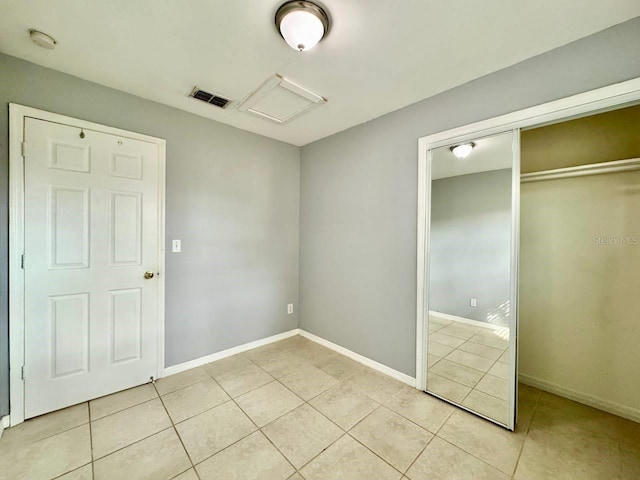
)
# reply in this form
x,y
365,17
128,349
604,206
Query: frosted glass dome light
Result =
x,y
463,151
302,24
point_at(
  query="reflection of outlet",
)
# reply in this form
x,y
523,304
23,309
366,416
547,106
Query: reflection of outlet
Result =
x,y
474,302
290,309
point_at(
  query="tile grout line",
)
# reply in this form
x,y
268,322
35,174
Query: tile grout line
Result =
x,y
322,451
130,444
127,408
306,402
404,474
484,373
74,470
295,469
472,388
259,429
347,431
53,434
437,434
384,460
475,457
173,425
93,475
526,435
344,432
472,454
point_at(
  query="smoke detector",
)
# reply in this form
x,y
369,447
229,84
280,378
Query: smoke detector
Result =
x,y
42,39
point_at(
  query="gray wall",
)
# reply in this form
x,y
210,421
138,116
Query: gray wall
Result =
x,y
470,251
232,197
359,193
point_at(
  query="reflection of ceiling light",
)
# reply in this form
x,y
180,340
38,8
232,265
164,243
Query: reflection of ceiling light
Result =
x,y
42,39
463,150
302,24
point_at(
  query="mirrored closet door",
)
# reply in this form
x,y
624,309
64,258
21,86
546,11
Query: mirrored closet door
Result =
x,y
472,228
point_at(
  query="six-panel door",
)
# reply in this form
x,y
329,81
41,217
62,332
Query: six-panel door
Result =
x,y
91,232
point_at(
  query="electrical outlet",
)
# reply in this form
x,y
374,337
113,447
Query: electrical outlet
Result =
x,y
176,246
474,302
290,309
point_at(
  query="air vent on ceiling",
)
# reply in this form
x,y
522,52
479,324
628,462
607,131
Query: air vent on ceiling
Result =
x,y
207,97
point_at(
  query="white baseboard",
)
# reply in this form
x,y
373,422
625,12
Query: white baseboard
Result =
x,y
181,367
4,423
403,377
281,336
580,397
455,318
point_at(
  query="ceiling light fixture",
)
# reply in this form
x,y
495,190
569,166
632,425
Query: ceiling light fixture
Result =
x,y
42,39
463,150
302,24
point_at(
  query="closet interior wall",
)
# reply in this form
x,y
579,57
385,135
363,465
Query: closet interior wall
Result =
x,y
580,263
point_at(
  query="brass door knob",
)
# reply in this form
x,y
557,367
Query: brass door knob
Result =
x,y
148,274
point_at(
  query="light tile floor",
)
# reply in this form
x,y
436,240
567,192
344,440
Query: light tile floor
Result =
x,y
295,410
468,364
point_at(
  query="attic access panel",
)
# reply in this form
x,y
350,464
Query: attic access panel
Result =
x,y
280,100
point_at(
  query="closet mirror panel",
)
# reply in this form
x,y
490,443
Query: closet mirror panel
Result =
x,y
471,280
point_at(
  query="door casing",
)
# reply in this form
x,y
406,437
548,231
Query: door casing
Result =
x,y
17,115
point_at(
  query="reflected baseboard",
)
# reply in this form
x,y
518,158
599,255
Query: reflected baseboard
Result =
x,y
581,397
455,318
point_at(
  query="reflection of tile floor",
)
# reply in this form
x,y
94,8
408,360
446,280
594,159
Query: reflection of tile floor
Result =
x,y
468,364
295,410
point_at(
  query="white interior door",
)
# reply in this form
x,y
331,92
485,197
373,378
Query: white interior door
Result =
x,y
91,232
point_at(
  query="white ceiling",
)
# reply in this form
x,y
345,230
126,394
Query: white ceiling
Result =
x,y
380,55
489,153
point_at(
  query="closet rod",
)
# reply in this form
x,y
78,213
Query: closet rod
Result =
x,y
582,170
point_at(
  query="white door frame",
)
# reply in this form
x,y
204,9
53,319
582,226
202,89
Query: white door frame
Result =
x,y
594,101
17,118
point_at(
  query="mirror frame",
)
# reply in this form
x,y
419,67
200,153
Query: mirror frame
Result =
x,y
513,282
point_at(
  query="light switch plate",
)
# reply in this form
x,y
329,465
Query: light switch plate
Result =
x,y
176,246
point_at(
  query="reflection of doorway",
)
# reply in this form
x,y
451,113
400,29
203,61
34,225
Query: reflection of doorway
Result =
x,y
580,259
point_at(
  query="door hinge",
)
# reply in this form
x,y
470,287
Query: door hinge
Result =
x,y
22,372
23,147
22,261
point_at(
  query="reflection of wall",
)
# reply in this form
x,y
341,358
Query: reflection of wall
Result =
x,y
579,278
470,245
